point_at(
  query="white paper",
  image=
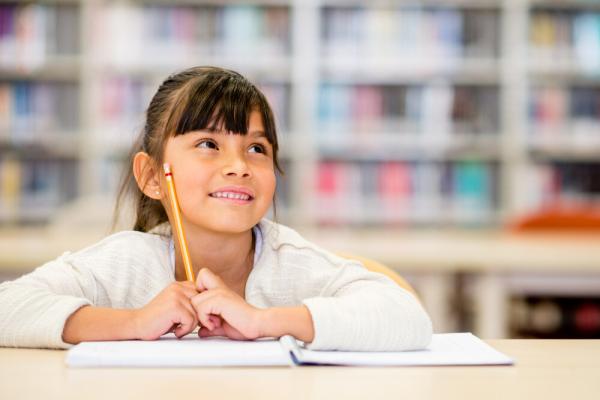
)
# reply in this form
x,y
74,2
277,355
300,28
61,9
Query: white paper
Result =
x,y
191,351
169,351
445,349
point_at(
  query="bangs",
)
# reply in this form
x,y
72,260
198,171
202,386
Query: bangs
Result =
x,y
220,102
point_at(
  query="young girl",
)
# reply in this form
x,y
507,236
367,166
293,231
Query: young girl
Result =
x,y
255,278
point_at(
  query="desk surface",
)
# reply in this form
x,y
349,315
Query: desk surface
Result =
x,y
545,369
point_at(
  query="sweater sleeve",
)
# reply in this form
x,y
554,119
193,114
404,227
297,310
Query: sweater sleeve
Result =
x,y
35,307
359,310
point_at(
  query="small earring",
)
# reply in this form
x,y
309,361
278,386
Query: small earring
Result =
x,y
157,192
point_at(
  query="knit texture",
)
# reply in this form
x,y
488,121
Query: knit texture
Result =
x,y
351,307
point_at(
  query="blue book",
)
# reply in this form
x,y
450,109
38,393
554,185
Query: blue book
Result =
x,y
472,184
586,41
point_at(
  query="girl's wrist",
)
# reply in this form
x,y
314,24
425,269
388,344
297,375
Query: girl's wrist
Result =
x,y
280,321
96,323
133,327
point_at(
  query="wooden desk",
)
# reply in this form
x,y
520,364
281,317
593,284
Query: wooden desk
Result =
x,y
565,369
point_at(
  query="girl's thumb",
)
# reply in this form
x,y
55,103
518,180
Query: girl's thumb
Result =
x,y
207,280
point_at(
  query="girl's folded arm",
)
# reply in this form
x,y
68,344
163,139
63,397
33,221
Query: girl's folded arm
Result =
x,y
35,307
365,311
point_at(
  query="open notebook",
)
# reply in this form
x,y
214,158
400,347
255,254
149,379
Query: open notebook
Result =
x,y
191,351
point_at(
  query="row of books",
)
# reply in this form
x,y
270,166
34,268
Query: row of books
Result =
x,y
30,33
182,35
574,110
31,190
566,35
562,182
30,109
430,33
440,108
560,317
402,192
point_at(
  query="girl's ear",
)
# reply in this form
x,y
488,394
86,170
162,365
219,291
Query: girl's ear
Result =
x,y
147,175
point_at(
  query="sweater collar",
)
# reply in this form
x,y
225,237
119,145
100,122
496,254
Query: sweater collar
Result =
x,y
258,245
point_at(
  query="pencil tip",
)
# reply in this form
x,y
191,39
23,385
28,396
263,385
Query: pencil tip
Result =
x,y
167,167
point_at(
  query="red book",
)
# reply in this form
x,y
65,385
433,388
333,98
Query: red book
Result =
x,y
394,180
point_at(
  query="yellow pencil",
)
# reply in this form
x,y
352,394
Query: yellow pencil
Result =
x,y
187,262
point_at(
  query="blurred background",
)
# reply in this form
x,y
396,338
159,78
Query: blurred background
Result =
x,y
456,141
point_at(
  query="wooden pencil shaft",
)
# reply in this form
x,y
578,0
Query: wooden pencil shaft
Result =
x,y
187,263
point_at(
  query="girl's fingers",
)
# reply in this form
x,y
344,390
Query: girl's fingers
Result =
x,y
204,332
232,332
188,289
204,310
208,280
202,297
187,323
216,320
226,330
190,309
188,320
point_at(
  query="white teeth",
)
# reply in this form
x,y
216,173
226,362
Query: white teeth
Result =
x,y
230,195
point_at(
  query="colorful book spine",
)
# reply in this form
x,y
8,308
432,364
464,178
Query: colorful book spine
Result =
x,y
472,195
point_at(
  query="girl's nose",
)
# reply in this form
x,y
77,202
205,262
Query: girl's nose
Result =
x,y
236,165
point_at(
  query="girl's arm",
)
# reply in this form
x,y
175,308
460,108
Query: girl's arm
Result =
x,y
33,308
99,323
295,321
359,310
66,301
170,310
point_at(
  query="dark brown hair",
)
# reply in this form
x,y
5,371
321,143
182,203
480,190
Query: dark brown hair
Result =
x,y
194,99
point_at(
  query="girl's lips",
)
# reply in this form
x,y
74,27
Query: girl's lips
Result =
x,y
236,190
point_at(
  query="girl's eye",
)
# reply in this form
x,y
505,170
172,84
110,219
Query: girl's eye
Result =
x,y
207,144
258,148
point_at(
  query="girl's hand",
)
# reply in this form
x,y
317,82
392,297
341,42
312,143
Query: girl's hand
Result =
x,y
171,310
222,312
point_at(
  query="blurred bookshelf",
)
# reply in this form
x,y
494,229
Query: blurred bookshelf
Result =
x,y
555,317
458,113
448,114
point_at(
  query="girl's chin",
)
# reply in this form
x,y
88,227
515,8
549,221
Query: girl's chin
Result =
x,y
232,226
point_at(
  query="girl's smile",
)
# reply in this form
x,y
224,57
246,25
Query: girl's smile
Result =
x,y
234,195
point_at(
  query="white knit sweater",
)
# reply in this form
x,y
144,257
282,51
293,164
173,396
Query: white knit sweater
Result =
x,y
351,308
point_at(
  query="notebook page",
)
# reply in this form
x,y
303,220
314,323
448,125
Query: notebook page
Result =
x,y
169,351
445,349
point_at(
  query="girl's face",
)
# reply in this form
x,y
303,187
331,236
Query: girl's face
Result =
x,y
225,182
